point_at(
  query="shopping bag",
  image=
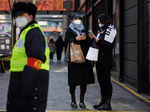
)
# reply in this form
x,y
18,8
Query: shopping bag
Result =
x,y
76,54
92,54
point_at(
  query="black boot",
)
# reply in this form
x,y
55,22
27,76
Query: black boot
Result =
x,y
74,105
73,101
98,105
82,94
73,97
82,104
105,106
103,98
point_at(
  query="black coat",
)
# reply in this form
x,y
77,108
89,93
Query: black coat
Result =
x,y
79,73
105,50
35,43
103,67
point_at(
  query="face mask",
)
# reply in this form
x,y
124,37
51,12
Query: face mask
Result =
x,y
100,25
77,22
21,21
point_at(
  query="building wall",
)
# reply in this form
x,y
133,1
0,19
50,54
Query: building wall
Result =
x,y
129,40
135,42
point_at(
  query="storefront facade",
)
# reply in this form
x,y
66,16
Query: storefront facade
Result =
x,y
131,18
135,42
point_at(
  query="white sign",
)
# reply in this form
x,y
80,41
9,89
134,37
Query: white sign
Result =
x,y
110,34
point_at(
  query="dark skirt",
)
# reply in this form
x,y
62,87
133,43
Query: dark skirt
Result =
x,y
79,74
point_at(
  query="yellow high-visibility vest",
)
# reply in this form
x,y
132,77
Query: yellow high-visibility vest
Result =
x,y
19,57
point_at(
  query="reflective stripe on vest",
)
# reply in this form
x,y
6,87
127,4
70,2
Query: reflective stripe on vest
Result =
x,y
19,57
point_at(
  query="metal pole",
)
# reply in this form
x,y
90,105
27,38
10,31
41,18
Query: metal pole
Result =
x,y
13,27
121,50
9,1
86,15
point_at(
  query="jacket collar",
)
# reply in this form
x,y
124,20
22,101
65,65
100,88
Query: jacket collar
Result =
x,y
32,22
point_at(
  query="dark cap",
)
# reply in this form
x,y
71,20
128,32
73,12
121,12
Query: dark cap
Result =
x,y
23,7
76,15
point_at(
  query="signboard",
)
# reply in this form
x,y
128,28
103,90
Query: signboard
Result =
x,y
4,5
50,5
51,26
42,5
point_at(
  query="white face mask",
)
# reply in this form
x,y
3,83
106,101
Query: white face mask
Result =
x,y
77,21
100,25
21,21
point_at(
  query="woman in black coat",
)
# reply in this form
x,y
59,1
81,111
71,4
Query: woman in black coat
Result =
x,y
79,74
105,43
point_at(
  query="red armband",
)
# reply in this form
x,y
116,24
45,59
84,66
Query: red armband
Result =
x,y
34,63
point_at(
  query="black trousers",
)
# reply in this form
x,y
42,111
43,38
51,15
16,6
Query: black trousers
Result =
x,y
103,69
59,51
51,55
27,91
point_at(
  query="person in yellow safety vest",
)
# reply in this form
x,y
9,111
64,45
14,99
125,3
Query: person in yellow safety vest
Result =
x,y
29,65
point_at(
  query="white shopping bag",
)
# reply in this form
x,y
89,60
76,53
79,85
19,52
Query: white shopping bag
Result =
x,y
92,54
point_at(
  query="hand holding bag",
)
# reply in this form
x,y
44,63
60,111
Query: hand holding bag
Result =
x,y
76,54
93,51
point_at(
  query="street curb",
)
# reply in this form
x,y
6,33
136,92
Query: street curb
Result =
x,y
88,111
131,91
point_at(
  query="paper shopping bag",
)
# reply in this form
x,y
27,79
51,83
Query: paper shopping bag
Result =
x,y
76,54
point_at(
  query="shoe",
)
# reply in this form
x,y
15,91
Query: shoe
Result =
x,y
105,106
98,105
82,105
74,105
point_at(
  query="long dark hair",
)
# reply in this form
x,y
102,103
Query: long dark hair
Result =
x,y
106,20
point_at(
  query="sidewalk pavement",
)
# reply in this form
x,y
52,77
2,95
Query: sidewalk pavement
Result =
x,y
59,98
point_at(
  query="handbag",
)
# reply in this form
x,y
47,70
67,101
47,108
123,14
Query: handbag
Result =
x,y
76,54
